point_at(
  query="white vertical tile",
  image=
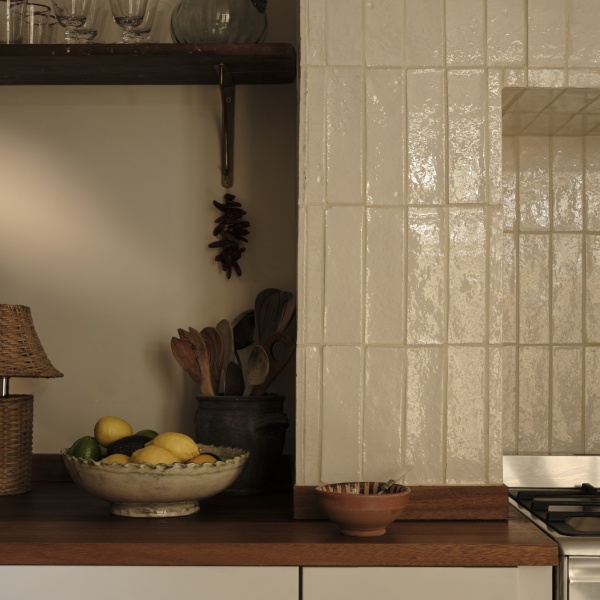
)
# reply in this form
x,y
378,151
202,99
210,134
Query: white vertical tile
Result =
x,y
343,275
592,288
506,32
301,290
465,33
342,414
494,136
567,183
426,265
494,431
496,272
314,261
592,400
424,33
509,400
315,34
467,278
584,23
467,93
567,288
467,423
592,182
509,321
534,397
344,32
534,183
344,136
300,420
384,33
383,412
426,114
385,276
509,180
315,141
534,292
311,432
567,400
425,408
546,33
385,136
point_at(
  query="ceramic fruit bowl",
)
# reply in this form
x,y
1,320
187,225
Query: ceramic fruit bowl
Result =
x,y
157,490
358,509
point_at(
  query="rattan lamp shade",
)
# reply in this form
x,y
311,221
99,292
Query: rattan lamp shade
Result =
x,y
21,355
21,352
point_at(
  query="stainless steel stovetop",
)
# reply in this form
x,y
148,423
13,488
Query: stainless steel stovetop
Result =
x,y
561,495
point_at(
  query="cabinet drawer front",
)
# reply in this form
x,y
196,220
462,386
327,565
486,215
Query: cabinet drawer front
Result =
x,y
148,583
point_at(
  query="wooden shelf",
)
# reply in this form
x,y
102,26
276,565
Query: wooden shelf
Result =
x,y
145,64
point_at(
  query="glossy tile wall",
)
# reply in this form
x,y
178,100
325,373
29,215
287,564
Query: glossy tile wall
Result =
x,y
552,260
401,218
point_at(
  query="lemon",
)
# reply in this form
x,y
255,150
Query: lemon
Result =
x,y
116,458
110,429
205,457
86,447
154,455
147,433
181,445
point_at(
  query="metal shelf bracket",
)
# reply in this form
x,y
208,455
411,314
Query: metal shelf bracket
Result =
x,y
227,86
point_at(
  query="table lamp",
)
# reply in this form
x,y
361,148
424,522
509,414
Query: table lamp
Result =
x,y
21,355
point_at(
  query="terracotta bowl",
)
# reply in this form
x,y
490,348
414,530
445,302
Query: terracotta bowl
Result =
x,y
357,508
145,490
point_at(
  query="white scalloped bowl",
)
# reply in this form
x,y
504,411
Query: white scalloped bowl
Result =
x,y
145,490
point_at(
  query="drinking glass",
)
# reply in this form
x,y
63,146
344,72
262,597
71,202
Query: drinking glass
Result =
x,y
128,14
40,24
94,24
141,33
13,14
72,14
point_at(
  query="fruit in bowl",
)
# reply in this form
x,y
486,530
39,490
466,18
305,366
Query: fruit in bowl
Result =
x,y
149,474
157,490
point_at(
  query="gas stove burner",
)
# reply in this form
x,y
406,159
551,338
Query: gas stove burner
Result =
x,y
569,511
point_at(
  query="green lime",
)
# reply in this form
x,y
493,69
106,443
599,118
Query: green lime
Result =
x,y
148,433
86,447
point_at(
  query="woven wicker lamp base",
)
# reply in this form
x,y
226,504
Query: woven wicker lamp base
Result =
x,y
16,443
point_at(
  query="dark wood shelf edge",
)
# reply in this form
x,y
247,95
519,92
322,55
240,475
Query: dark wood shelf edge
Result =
x,y
145,64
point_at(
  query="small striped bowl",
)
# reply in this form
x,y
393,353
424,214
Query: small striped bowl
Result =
x,y
358,509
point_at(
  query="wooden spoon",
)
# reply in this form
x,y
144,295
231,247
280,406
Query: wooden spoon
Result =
x,y
184,354
244,329
280,348
258,368
234,380
214,347
225,330
202,358
265,307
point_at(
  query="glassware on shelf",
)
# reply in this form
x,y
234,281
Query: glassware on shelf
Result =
x,y
12,15
72,14
141,33
40,24
128,14
94,24
219,21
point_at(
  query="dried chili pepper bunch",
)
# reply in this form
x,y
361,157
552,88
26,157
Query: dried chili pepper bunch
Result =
x,y
231,229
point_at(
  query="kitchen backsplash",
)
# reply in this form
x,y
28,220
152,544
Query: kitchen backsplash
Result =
x,y
552,291
407,331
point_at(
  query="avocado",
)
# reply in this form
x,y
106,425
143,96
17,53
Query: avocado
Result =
x,y
128,445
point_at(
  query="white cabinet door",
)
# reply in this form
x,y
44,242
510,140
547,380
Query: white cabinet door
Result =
x,y
426,583
148,583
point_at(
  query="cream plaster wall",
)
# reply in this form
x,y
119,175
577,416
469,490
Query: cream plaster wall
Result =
x,y
105,218
401,226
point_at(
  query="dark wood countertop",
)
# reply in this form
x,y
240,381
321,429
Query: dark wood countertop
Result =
x,y
58,524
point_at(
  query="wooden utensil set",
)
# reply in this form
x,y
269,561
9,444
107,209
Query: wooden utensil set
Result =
x,y
211,358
